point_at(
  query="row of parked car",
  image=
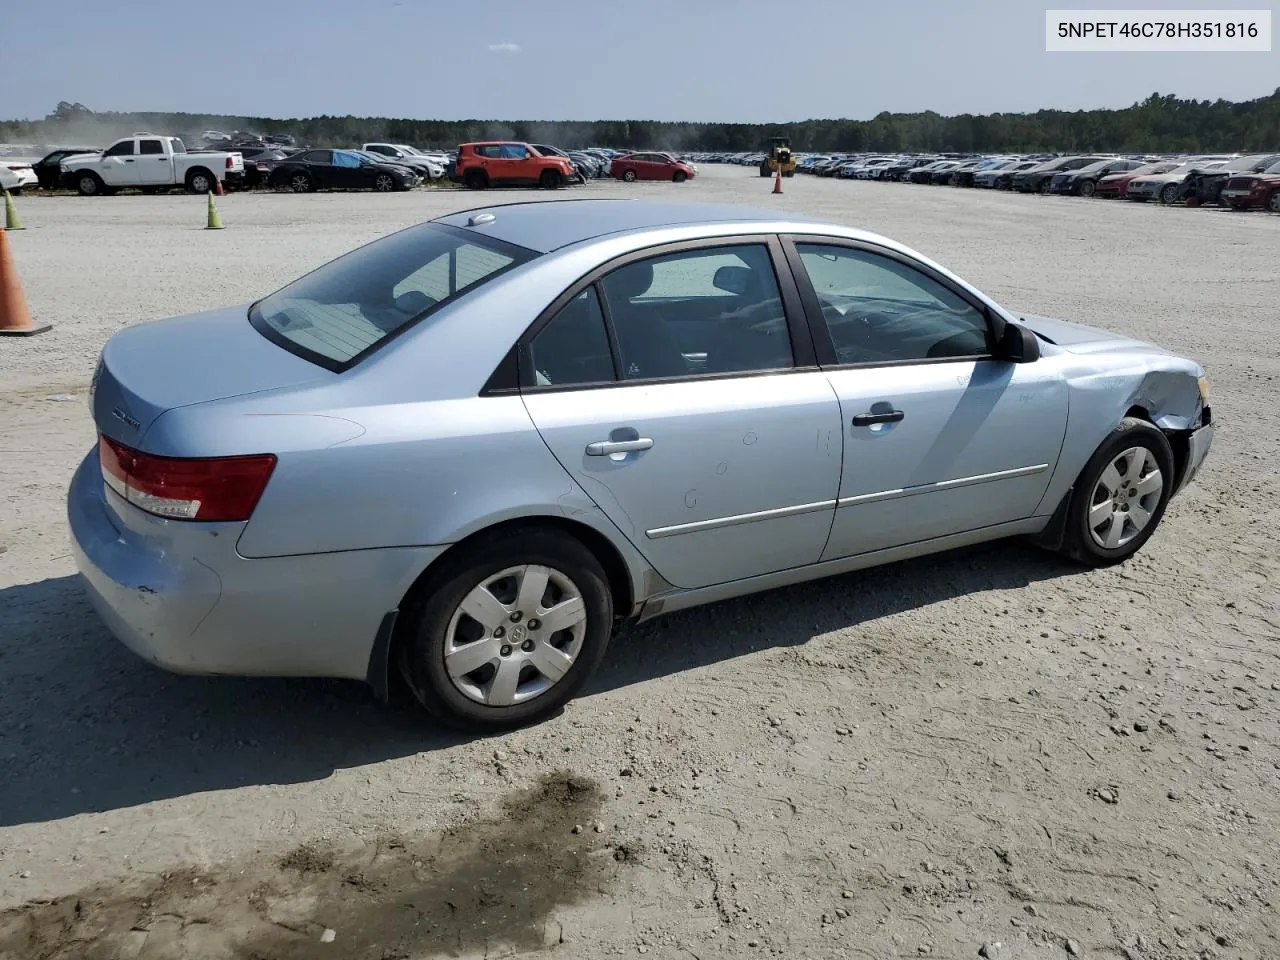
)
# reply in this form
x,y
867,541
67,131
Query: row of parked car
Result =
x,y
153,163
1242,181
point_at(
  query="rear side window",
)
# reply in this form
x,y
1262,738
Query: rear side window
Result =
x,y
344,309
573,348
146,147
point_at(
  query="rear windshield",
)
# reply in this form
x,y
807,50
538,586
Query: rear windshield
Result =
x,y
345,309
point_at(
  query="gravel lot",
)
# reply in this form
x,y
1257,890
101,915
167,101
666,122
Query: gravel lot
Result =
x,y
988,747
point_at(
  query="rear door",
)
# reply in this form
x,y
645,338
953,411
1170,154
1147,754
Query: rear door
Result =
x,y
153,163
319,165
678,388
939,436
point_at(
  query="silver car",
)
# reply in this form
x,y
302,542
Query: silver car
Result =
x,y
470,450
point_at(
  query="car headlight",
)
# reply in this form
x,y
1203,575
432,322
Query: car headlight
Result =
x,y
1204,391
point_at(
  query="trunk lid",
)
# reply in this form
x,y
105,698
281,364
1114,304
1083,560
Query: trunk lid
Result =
x,y
152,367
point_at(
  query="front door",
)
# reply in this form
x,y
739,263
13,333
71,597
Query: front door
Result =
x,y
349,171
706,435
120,164
939,436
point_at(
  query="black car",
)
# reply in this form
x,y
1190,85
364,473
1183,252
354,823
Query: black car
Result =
x,y
258,164
900,169
338,169
1037,179
47,167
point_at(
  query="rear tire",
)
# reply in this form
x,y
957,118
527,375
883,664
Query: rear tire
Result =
x,y
629,176
475,180
1114,492
1044,186
300,183
1273,204
496,569
200,181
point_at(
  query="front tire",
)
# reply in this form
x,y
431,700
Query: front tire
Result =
x,y
384,183
1169,193
90,185
679,177
1120,496
509,631
1088,188
550,180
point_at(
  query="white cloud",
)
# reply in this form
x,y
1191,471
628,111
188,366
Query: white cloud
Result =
x,y
504,47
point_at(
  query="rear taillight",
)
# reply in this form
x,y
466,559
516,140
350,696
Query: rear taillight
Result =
x,y
230,162
201,488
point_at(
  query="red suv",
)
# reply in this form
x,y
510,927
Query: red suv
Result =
x,y
509,163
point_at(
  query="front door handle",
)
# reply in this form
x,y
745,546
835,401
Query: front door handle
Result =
x,y
603,448
867,419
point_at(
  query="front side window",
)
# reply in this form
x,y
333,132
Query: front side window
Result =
x,y
573,348
347,306
122,149
712,310
879,310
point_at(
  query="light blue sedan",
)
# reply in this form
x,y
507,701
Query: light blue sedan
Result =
x,y
470,450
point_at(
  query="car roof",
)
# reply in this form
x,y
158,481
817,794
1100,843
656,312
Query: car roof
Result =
x,y
549,225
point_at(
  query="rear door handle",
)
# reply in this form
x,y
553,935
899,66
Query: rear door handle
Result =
x,y
602,448
867,419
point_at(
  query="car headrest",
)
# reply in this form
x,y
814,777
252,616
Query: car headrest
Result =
x,y
630,281
737,280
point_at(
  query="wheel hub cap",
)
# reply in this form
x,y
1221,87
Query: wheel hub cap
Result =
x,y
1125,498
515,635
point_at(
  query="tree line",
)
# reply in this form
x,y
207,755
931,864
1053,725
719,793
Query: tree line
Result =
x,y
1162,123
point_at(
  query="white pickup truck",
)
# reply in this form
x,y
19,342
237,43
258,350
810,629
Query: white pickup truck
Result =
x,y
150,163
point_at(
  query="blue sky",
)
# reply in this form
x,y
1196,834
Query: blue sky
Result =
x,y
708,60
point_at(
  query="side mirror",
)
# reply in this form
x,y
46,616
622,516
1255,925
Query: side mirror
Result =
x,y
1018,344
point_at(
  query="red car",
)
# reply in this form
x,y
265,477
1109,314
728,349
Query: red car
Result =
x,y
1254,190
1117,184
650,166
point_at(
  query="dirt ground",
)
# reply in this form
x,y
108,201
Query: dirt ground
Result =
x,y
987,750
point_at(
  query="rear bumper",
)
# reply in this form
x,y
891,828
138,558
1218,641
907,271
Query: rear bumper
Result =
x,y
179,595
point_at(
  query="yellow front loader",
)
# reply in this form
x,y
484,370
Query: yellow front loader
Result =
x,y
778,158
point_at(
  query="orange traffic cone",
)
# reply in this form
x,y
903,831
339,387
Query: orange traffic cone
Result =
x,y
777,181
217,187
15,318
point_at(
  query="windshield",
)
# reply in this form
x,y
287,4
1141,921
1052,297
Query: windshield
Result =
x,y
345,309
